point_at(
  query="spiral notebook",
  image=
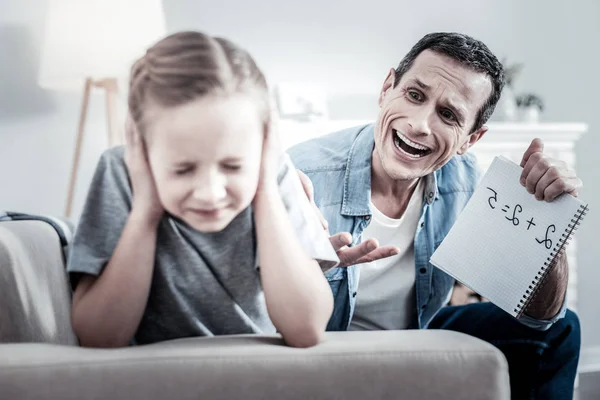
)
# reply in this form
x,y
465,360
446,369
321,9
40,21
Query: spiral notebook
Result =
x,y
505,242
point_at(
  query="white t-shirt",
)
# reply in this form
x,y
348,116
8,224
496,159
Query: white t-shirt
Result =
x,y
386,289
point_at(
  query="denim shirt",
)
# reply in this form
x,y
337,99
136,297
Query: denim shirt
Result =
x,y
339,166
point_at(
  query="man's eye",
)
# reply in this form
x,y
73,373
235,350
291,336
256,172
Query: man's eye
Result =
x,y
232,167
415,95
447,114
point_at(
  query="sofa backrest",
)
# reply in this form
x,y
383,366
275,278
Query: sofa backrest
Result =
x,y
35,296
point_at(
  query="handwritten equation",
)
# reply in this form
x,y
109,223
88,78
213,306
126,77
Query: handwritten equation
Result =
x,y
515,216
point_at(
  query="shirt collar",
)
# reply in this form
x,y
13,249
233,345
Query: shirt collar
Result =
x,y
357,180
431,188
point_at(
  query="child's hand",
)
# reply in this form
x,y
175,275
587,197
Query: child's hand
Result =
x,y
271,157
145,195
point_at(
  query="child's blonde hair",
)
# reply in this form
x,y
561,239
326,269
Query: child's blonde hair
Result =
x,y
188,65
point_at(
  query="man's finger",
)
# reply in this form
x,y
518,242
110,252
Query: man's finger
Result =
x,y
546,180
351,255
536,146
340,240
535,169
378,254
561,186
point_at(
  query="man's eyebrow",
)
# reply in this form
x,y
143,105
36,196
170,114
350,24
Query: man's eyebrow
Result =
x,y
460,115
421,84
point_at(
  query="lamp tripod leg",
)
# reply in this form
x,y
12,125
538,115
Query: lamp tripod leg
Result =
x,y
78,143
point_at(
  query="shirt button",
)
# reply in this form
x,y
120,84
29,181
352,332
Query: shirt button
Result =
x,y
423,306
423,270
430,195
354,294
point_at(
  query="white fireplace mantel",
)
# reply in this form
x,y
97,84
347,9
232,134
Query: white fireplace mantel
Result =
x,y
511,139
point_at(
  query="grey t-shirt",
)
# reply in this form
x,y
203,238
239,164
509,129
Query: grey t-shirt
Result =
x,y
203,284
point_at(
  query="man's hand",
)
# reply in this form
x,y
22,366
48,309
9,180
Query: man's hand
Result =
x,y
546,177
367,251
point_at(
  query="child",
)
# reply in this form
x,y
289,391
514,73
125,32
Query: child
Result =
x,y
168,243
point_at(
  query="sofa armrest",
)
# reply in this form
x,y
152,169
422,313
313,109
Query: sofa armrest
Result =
x,y
35,298
348,365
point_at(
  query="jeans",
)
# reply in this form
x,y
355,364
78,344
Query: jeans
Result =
x,y
542,364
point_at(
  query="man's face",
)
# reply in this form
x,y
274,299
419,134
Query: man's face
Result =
x,y
427,118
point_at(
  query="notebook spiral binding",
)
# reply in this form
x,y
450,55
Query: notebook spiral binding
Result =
x,y
551,261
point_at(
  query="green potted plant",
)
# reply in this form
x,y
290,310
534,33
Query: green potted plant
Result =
x,y
530,107
507,106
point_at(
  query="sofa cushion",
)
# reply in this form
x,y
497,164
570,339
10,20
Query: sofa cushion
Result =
x,y
348,365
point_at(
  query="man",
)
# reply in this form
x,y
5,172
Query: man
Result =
x,y
400,184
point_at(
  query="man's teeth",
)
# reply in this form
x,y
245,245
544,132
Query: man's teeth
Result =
x,y
410,142
408,147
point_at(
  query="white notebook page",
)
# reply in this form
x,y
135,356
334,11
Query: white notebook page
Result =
x,y
494,247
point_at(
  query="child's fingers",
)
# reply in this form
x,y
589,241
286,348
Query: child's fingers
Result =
x,y
129,128
306,185
138,145
128,141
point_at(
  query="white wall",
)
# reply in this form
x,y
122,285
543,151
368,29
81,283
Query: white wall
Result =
x,y
345,46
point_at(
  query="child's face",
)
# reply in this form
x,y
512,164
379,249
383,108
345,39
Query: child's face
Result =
x,y
206,156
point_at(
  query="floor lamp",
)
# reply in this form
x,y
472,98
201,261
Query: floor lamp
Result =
x,y
114,133
91,44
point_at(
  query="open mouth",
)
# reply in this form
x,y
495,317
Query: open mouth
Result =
x,y
408,147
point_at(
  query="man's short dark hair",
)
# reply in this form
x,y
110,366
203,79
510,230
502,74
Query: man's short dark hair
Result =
x,y
469,52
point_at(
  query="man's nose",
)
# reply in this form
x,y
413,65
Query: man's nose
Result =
x,y
420,121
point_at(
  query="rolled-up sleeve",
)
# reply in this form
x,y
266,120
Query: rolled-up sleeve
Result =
x,y
544,324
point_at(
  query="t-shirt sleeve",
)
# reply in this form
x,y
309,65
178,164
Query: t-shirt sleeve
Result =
x,y
313,238
103,218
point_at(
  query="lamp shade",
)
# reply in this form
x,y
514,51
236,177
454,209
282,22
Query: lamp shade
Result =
x,y
97,39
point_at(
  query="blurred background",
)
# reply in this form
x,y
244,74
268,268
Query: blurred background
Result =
x,y
333,56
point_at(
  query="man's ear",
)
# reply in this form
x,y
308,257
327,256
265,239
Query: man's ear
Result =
x,y
472,139
388,84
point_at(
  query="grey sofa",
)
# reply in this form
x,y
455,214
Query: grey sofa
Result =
x,y
40,359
